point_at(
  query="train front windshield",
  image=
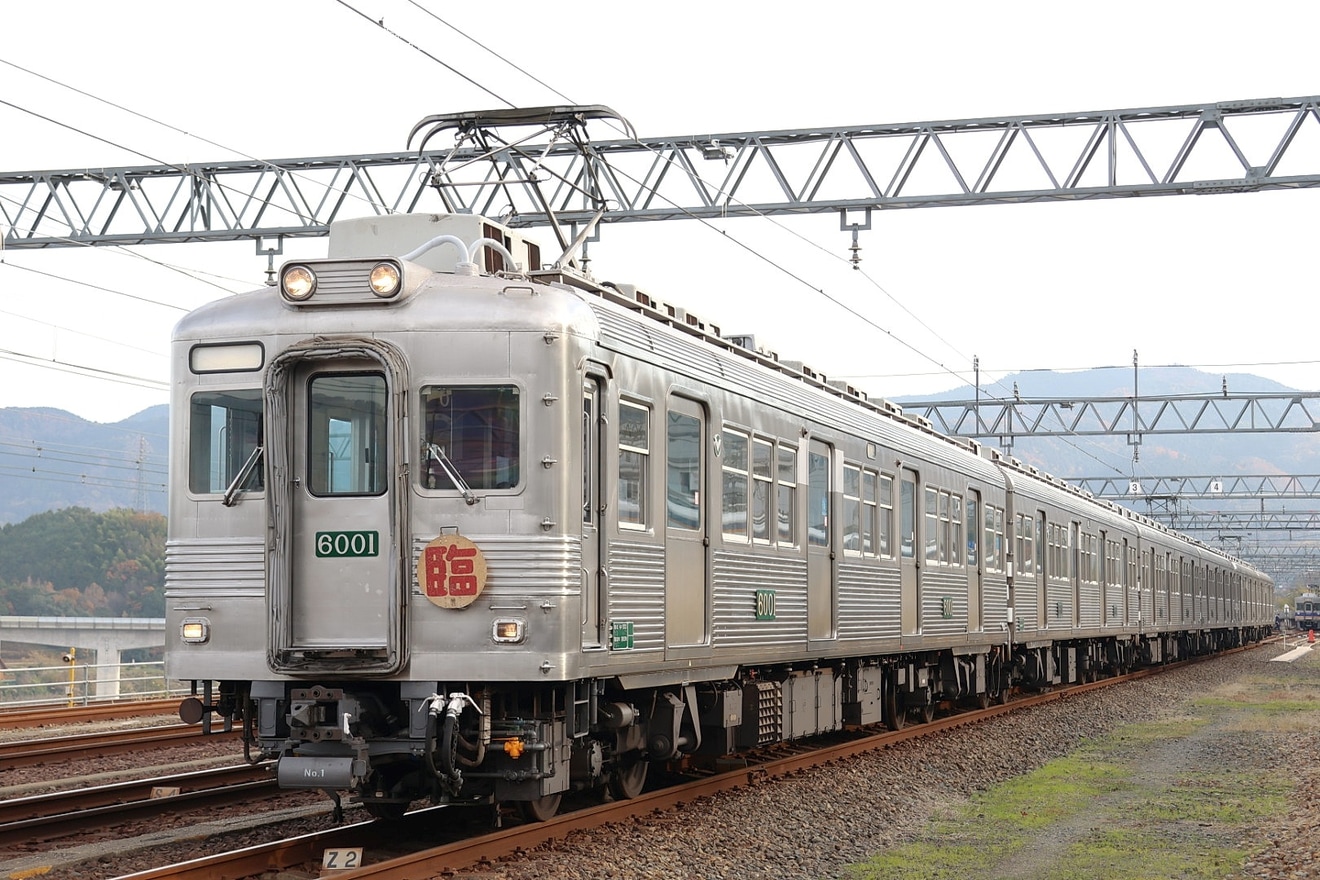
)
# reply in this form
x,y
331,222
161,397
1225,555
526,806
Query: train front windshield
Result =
x,y
476,429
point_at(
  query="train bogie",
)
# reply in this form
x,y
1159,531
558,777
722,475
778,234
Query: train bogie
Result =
x,y
444,528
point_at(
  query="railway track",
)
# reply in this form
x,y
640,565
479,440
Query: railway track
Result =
x,y
83,746
62,814
17,718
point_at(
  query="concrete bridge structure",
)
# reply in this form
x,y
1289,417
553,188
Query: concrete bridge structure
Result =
x,y
101,640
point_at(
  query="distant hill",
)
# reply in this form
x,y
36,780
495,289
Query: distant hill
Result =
x,y
52,459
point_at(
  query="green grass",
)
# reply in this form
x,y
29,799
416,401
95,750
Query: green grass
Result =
x,y
1111,810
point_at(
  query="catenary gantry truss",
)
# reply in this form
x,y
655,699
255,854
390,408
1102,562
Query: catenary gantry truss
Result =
x,y
1226,412
1239,146
1225,486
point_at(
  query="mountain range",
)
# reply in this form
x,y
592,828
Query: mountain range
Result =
x,y
50,459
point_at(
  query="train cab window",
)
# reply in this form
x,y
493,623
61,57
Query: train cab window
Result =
x,y
787,491
734,456
473,430
634,464
224,437
347,435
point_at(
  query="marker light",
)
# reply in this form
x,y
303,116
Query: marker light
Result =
x,y
195,630
385,280
509,630
298,283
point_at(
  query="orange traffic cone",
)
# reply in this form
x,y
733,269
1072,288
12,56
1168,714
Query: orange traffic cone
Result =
x,y
1310,637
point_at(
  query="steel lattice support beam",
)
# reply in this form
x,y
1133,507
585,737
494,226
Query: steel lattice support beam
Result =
x,y
1286,412
1187,520
1228,486
1240,146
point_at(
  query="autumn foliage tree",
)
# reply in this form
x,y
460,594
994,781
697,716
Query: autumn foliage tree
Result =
x,y
77,563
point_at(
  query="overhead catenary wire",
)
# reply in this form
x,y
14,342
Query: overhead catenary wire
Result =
x,y
817,289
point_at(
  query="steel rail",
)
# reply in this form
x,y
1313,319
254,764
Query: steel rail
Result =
x,y
36,752
65,813
29,717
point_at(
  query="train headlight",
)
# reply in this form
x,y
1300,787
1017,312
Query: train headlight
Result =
x,y
297,283
509,630
386,280
195,630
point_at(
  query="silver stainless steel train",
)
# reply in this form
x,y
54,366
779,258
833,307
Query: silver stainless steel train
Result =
x,y
446,528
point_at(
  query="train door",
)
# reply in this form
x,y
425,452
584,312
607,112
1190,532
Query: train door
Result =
x,y
593,512
820,541
909,572
337,586
973,561
686,515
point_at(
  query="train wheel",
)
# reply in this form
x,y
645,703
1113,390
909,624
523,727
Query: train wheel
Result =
x,y
629,780
542,809
926,713
894,717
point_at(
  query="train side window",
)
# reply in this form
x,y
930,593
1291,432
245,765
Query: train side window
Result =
x,y
1026,550
852,509
787,491
735,460
870,515
933,531
762,488
475,430
634,464
887,516
955,530
224,431
999,537
994,538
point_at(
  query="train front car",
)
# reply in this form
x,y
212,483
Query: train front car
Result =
x,y
370,551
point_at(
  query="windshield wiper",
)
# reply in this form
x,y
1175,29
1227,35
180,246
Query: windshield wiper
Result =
x,y
231,494
431,451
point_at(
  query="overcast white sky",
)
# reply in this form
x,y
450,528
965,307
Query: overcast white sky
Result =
x,y
1223,283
